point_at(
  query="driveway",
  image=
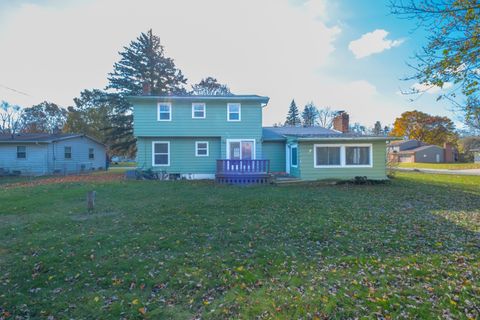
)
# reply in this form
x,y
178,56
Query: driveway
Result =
x,y
466,172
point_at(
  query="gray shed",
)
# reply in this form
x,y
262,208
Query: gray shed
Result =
x,y
41,154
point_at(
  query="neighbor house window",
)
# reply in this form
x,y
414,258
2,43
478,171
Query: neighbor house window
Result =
x,y
164,112
21,152
234,112
327,156
91,153
294,156
198,110
357,156
67,152
201,149
161,153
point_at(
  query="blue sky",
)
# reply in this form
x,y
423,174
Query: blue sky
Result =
x,y
349,55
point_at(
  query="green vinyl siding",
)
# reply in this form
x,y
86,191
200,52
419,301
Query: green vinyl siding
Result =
x,y
309,172
275,152
215,123
182,155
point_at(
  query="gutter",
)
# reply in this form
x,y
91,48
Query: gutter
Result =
x,y
348,138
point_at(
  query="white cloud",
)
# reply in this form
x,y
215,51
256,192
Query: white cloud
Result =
x,y
428,88
371,43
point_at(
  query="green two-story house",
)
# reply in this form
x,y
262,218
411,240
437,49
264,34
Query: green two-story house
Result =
x,y
195,137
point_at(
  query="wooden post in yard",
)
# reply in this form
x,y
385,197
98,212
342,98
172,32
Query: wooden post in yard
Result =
x,y
91,200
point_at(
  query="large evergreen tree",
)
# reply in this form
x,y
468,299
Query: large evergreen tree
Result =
x,y
211,87
143,62
309,115
293,116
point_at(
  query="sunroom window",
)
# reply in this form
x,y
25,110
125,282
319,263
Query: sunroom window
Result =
x,y
327,156
357,156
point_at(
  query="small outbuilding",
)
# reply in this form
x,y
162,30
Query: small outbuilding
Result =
x,y
41,154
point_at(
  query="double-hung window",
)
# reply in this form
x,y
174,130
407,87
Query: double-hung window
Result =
x,y
21,152
91,153
198,111
161,153
234,112
67,152
164,111
201,148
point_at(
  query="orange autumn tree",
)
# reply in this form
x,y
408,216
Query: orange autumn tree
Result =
x,y
424,127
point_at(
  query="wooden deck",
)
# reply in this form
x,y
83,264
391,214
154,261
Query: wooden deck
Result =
x,y
243,171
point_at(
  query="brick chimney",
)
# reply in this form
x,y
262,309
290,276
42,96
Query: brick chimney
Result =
x,y
147,90
341,122
448,152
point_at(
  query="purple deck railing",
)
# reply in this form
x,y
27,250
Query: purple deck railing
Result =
x,y
243,167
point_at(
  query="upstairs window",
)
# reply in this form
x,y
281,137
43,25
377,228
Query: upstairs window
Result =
x,y
327,156
91,153
164,112
21,152
201,149
198,111
67,152
234,112
161,153
357,156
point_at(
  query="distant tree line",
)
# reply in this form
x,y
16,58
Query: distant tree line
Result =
x,y
312,116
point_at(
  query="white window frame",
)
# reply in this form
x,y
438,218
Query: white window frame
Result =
x,y
254,152
239,112
343,156
24,152
204,110
196,149
293,146
169,108
153,154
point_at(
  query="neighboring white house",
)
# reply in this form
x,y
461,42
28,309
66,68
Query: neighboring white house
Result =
x,y
40,154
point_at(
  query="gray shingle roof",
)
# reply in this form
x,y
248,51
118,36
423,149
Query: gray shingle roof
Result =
x,y
40,137
279,133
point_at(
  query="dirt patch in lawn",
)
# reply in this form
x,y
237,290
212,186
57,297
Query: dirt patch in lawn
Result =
x,y
103,177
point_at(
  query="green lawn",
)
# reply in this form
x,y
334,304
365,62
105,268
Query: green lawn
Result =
x,y
450,166
180,250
